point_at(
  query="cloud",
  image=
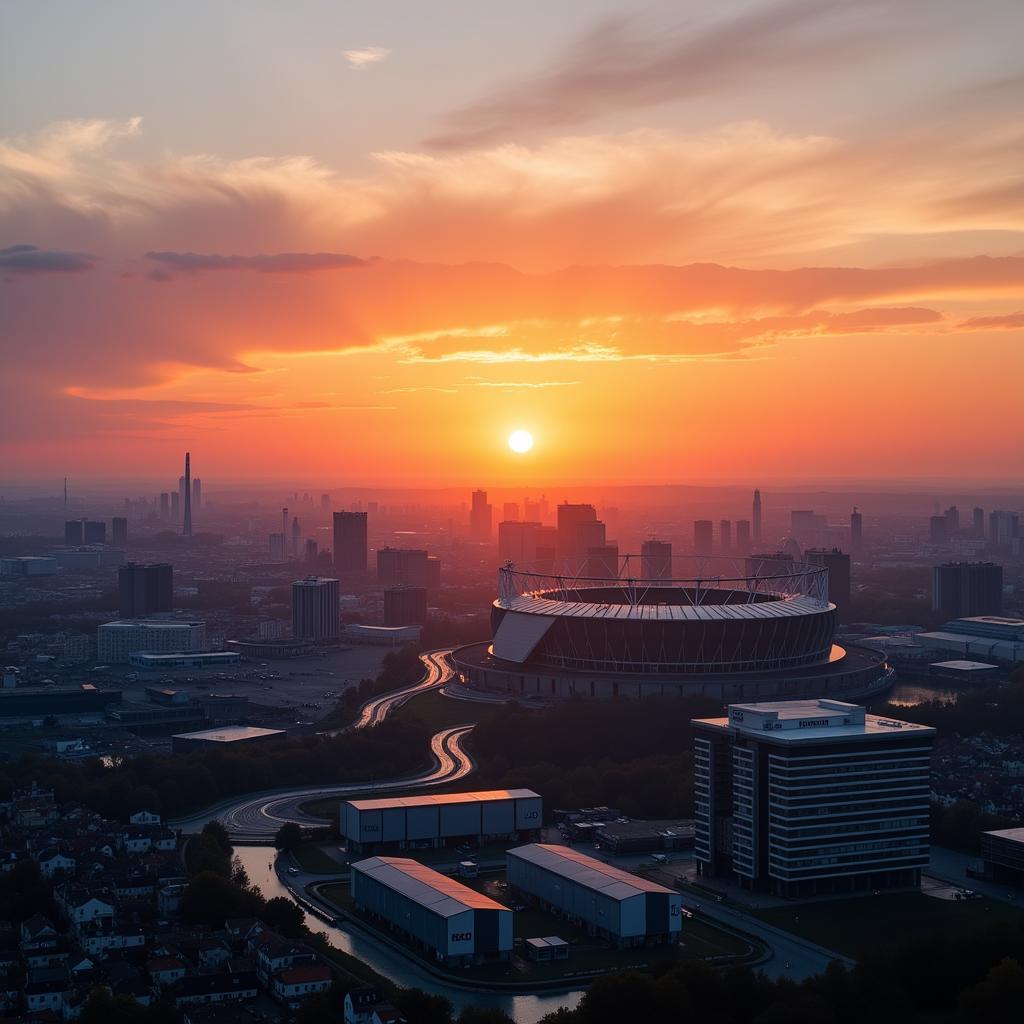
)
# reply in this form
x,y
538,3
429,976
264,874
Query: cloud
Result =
x,y
514,385
278,263
624,63
30,259
359,59
1008,321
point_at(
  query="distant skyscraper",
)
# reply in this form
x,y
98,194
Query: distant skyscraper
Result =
x,y
165,505
175,505
94,532
405,606
315,609
656,560
570,517
602,561
325,502
952,515
398,567
186,497
296,537
979,522
725,536
962,589
938,529
856,532
277,547
510,512
73,533
350,541
517,542
144,590
743,536
119,531
311,550
703,536
756,516
838,565
480,517
197,494
1004,528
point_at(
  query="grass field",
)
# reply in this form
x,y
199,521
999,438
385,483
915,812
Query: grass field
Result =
x,y
852,926
313,857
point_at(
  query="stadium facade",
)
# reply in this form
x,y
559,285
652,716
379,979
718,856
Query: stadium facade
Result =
x,y
748,628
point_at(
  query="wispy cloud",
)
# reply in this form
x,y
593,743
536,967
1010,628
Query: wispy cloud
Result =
x,y
1008,321
515,385
359,59
30,259
277,263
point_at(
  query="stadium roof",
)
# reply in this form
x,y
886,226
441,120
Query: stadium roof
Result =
x,y
774,608
586,871
438,800
438,893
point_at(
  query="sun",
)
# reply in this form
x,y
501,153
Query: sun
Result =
x,y
520,441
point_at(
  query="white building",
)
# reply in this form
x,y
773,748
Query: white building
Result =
x,y
115,641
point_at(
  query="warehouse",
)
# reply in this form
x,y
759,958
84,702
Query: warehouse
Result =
x,y
228,737
421,822
623,908
454,923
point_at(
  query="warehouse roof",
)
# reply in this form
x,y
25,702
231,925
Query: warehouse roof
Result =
x,y
430,889
586,871
229,734
437,800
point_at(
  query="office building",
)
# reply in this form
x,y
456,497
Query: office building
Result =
x,y
197,494
296,538
94,532
165,505
703,536
601,562
517,542
938,530
325,502
186,498
838,565
350,542
570,518
119,531
656,560
315,610
115,641
1004,528
961,589
435,821
480,513
1002,852
856,533
742,536
405,606
803,797
277,549
755,517
175,504
610,903
28,565
446,919
952,515
73,533
725,536
398,567
311,550
510,512
978,521
144,590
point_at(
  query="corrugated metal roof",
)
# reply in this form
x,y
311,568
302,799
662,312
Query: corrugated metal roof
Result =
x,y
438,893
517,635
778,609
437,800
586,871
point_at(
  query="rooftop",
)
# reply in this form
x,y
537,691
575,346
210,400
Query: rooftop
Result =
x,y
963,665
586,871
430,889
438,800
229,734
1015,835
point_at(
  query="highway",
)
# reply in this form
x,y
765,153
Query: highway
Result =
x,y
256,817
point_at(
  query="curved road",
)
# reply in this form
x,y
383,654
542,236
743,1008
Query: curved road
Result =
x,y
257,817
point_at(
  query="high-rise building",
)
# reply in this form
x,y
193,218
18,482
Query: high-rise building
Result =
x,y
325,502
350,541
531,511
756,516
601,562
296,538
119,531
186,498
838,565
94,532
510,512
405,606
315,609
703,536
165,505
480,517
1004,528
144,590
175,505
73,533
742,536
856,532
952,515
433,572
725,536
978,519
962,589
311,551
805,523
569,519
803,797
589,534
938,529
656,560
517,542
277,547
398,567
197,494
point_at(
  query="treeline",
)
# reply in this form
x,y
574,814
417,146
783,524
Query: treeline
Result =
x,y
968,979
960,825
998,710
631,754
398,669
174,784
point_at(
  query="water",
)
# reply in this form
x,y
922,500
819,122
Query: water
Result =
x,y
524,1009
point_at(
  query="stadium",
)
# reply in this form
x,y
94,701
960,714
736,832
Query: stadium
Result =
x,y
720,627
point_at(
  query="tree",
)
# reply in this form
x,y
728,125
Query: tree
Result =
x,y
284,916
998,998
483,1015
210,898
423,1008
289,836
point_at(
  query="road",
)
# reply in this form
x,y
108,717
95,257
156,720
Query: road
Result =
x,y
255,818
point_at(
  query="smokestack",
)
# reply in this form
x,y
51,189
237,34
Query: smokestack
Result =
x,y
186,528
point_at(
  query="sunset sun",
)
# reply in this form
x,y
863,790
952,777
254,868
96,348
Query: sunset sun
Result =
x,y
520,441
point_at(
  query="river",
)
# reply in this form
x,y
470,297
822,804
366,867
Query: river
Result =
x,y
524,1009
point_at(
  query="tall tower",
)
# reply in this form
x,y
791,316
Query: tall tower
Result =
x,y
756,518
856,532
186,527
296,536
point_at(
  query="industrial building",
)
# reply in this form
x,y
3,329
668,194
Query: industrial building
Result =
x,y
28,701
436,820
1002,852
811,796
225,738
28,565
204,659
315,609
613,904
983,637
385,636
116,641
961,589
446,919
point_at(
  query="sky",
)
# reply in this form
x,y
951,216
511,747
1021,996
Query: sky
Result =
x,y
360,243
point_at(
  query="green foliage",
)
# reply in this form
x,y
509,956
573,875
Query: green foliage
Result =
x,y
288,837
210,898
481,1015
104,1008
284,916
423,1008
24,892
961,824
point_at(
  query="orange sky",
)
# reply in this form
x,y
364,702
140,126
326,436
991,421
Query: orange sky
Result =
x,y
664,283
